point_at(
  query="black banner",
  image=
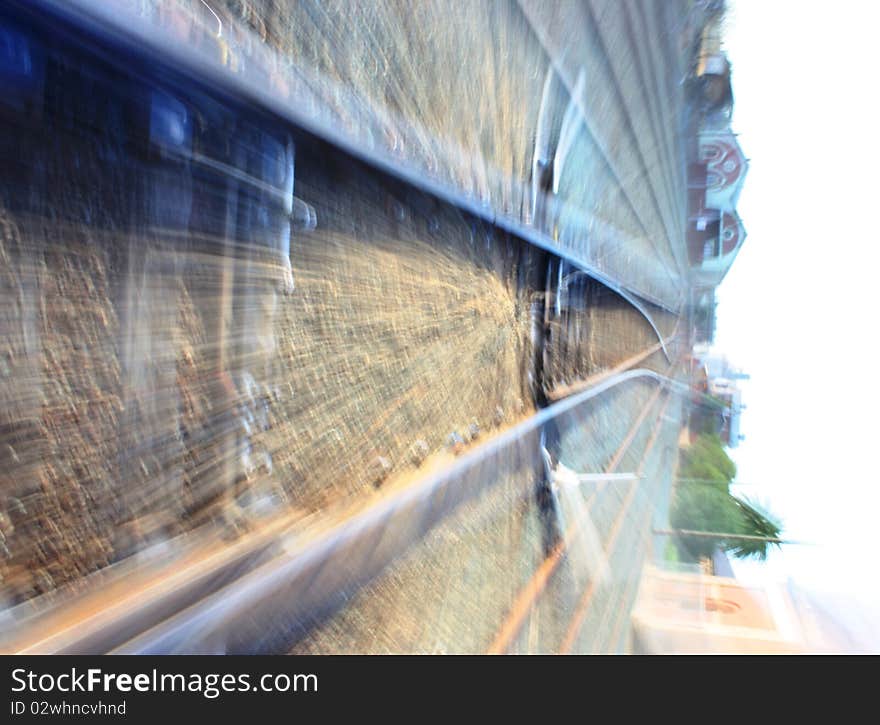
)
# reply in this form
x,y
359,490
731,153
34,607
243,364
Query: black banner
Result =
x,y
270,688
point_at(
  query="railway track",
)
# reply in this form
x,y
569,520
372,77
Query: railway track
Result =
x,y
641,528
530,596
632,160
310,585
278,585
121,33
299,571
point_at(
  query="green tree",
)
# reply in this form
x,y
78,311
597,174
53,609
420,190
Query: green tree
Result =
x,y
707,505
707,454
754,521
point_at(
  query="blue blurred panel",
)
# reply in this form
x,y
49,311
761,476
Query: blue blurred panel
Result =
x,y
21,68
170,123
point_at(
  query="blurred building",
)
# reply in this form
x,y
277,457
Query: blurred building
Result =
x,y
695,612
717,364
715,232
712,72
703,315
727,392
716,163
716,90
714,375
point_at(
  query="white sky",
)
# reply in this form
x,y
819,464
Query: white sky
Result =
x,y
798,310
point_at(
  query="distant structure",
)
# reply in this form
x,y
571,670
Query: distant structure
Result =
x,y
713,375
715,231
716,171
693,612
726,391
717,365
715,92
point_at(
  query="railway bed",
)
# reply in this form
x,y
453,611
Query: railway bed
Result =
x,y
230,334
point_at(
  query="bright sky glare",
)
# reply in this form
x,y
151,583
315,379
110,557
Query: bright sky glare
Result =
x,y
798,310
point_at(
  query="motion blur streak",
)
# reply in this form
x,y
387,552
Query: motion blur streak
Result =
x,y
287,290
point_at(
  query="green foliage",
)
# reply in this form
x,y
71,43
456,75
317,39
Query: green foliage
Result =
x,y
708,505
704,418
670,553
757,522
706,458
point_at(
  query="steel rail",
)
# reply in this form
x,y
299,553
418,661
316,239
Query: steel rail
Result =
x,y
532,591
607,156
117,27
586,599
109,626
306,578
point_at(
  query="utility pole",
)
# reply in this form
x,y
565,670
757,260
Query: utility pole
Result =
x,y
719,535
712,480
